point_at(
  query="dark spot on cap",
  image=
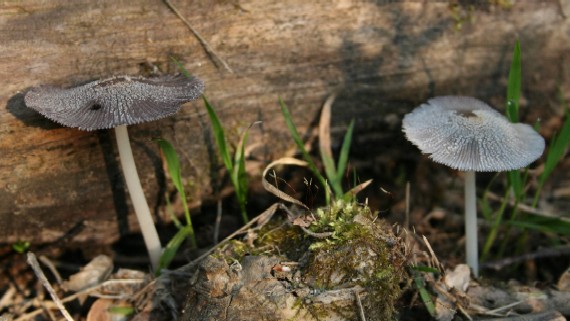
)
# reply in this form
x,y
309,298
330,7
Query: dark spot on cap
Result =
x,y
466,113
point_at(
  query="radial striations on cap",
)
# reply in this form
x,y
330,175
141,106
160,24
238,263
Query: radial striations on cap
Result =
x,y
466,134
115,101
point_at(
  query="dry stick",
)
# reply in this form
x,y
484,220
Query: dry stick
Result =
x,y
52,268
33,262
361,309
434,259
322,235
80,293
8,297
211,53
542,253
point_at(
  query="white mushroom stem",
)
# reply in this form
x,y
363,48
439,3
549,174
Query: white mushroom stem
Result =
x,y
471,223
138,199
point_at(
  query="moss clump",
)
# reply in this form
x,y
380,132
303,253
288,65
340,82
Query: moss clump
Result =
x,y
346,249
360,251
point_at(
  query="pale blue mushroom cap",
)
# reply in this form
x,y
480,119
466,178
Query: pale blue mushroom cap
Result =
x,y
466,134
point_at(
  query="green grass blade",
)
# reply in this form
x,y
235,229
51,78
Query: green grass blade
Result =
x,y
239,175
543,224
514,85
330,171
516,182
344,150
424,294
121,310
173,246
181,67
299,142
170,212
219,136
426,269
173,163
494,231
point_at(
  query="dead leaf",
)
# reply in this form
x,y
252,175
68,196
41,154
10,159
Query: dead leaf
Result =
x,y
459,278
91,274
274,190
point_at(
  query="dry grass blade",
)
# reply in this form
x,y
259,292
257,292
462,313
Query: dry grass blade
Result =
x,y
356,189
325,127
274,190
433,257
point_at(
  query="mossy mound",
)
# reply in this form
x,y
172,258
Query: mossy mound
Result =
x,y
362,251
341,252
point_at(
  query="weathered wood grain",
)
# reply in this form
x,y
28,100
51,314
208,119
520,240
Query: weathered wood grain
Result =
x,y
381,57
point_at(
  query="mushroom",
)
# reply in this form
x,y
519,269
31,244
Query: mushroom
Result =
x,y
115,103
468,135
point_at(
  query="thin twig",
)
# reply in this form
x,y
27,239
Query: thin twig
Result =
x,y
322,235
213,55
542,253
434,259
52,268
360,308
33,262
76,295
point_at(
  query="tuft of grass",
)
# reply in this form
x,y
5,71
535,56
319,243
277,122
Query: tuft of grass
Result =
x,y
235,166
184,232
334,172
299,142
515,180
517,188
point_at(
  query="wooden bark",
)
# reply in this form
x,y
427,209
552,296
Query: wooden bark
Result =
x,y
381,57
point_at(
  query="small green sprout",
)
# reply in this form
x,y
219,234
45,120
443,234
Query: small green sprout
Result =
x,y
235,167
21,246
184,232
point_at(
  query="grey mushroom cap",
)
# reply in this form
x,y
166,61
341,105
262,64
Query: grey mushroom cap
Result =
x,y
468,135
108,103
